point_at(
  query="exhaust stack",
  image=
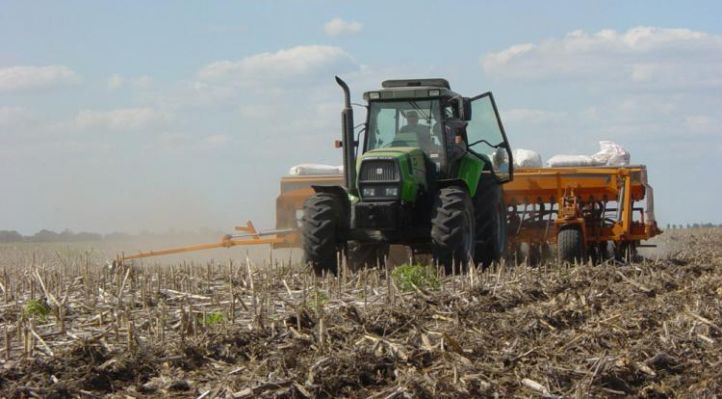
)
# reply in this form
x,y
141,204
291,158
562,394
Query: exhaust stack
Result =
x,y
349,154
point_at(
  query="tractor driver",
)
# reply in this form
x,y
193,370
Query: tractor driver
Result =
x,y
413,134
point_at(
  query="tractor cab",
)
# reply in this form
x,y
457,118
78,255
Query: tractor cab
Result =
x,y
445,126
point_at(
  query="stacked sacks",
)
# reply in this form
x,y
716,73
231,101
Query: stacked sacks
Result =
x,y
527,159
610,154
313,169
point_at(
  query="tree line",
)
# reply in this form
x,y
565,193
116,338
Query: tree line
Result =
x,y
70,236
52,236
692,226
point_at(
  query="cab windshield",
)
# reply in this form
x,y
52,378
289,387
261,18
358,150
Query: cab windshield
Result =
x,y
406,124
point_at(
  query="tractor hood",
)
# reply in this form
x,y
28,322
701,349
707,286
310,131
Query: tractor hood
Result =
x,y
411,165
411,155
390,152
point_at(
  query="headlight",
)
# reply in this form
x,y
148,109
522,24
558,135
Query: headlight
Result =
x,y
380,192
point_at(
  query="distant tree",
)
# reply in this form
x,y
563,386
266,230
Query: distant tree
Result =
x,y
45,236
66,236
116,236
85,236
10,236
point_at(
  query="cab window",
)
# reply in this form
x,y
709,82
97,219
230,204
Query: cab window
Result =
x,y
406,124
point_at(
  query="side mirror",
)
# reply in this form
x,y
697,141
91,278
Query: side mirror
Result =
x,y
463,104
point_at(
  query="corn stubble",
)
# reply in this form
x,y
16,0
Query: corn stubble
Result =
x,y
229,330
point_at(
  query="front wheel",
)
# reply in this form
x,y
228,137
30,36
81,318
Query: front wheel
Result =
x,y
570,245
452,229
322,221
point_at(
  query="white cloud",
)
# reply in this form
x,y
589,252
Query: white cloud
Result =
x,y
271,78
141,82
502,58
653,90
338,27
300,61
120,119
27,78
14,117
703,124
648,56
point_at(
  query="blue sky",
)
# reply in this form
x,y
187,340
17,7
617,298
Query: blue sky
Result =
x,y
156,115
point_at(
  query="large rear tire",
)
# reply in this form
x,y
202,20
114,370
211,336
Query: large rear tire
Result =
x,y
490,224
570,245
452,229
322,221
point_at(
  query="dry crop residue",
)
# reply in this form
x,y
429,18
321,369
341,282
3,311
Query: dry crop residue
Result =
x,y
650,329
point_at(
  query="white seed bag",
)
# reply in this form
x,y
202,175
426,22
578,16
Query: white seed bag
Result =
x,y
527,159
313,169
611,154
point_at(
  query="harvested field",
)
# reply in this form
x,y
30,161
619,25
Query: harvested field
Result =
x,y
74,327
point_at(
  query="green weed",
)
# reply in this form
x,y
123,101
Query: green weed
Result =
x,y
37,309
213,318
406,277
316,300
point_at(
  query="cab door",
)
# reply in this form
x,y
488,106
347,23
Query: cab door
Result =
x,y
486,136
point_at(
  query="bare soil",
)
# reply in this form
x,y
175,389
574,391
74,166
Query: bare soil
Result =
x,y
652,329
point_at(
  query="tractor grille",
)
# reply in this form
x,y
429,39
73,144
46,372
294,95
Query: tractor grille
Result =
x,y
379,170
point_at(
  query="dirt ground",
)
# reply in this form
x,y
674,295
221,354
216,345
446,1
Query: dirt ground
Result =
x,y
652,329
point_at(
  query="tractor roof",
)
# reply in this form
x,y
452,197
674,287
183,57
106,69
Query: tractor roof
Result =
x,y
411,88
391,84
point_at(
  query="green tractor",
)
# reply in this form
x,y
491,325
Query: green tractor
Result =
x,y
428,176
